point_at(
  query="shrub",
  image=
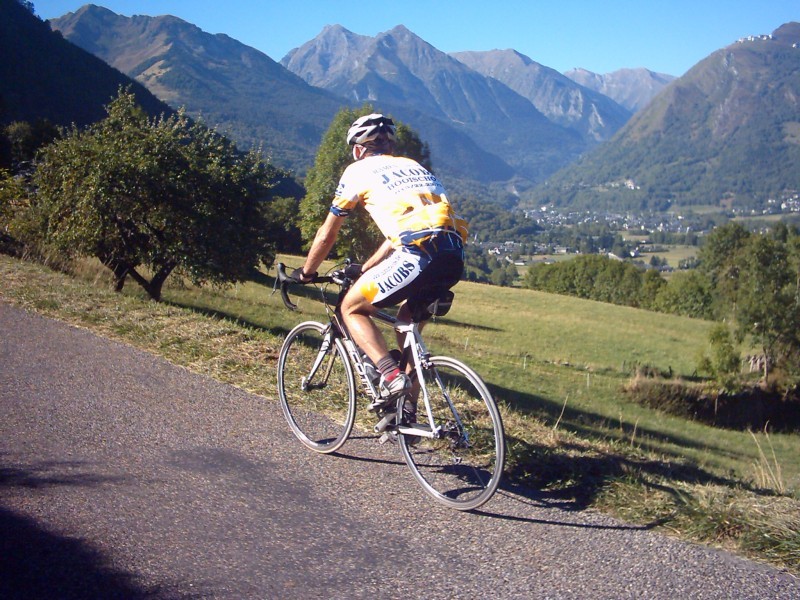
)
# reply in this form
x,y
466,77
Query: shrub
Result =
x,y
750,408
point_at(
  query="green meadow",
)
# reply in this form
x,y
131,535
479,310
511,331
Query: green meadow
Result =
x,y
557,365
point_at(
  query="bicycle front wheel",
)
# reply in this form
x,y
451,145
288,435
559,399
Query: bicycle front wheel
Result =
x,y
317,387
462,467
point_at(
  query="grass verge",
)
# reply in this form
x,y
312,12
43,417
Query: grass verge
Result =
x,y
557,367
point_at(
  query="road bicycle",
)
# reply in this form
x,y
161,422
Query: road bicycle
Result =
x,y
455,450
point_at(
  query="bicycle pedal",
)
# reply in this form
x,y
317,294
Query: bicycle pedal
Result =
x,y
389,436
382,405
387,420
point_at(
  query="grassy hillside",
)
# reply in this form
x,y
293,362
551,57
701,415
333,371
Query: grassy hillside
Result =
x,y
723,131
557,365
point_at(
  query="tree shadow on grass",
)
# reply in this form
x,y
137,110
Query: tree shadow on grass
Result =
x,y
230,317
571,476
37,563
591,425
310,293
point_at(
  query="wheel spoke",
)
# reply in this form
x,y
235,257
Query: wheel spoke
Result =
x,y
463,466
316,387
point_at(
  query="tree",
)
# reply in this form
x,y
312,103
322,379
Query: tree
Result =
x,y
477,266
688,293
652,283
13,201
723,364
358,237
504,274
165,193
767,307
24,140
719,258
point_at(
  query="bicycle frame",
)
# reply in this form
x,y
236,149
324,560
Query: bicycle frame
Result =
x,y
455,451
412,345
419,354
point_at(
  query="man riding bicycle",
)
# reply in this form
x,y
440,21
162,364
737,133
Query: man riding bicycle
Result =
x,y
423,252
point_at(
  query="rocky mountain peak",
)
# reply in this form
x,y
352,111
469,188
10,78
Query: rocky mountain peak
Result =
x,y
560,99
631,88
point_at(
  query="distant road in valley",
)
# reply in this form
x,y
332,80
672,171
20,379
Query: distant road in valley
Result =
x,y
123,476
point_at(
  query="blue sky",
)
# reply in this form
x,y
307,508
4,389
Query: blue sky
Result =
x,y
667,36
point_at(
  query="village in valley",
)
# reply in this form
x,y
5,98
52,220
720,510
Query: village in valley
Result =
x,y
641,234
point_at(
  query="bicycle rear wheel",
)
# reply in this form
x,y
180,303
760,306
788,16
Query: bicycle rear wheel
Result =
x,y
463,467
317,387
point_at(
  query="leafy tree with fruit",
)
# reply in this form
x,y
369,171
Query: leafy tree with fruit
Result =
x,y
151,196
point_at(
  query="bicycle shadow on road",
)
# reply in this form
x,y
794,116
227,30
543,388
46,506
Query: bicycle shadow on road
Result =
x,y
540,500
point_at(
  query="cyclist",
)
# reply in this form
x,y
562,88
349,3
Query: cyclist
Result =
x,y
423,250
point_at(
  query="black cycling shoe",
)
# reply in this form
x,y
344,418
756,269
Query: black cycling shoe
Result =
x,y
409,416
409,419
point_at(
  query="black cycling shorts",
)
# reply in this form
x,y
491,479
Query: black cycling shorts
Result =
x,y
411,271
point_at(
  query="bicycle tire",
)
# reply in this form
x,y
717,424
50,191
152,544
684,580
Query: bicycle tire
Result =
x,y
320,412
463,468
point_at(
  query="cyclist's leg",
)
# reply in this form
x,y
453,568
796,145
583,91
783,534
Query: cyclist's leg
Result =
x,y
386,284
357,313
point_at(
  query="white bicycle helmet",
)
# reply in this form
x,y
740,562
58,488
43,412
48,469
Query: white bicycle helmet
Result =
x,y
369,127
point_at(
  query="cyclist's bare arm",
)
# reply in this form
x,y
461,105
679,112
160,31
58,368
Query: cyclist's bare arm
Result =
x,y
323,243
380,254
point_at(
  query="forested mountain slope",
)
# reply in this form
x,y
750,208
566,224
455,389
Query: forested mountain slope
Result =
x,y
727,131
43,76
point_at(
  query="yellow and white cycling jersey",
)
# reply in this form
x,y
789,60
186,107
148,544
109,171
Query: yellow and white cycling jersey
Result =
x,y
406,201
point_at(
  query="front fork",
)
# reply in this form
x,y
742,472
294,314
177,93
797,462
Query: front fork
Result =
x,y
324,349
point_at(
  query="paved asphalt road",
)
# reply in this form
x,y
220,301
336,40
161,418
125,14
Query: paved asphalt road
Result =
x,y
122,476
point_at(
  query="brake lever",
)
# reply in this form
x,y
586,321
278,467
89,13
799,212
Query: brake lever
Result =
x,y
283,281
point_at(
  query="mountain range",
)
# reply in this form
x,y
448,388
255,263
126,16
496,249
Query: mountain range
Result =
x,y
726,129
232,87
726,132
478,126
398,70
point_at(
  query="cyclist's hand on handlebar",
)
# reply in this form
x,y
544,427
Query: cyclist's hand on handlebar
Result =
x,y
299,276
